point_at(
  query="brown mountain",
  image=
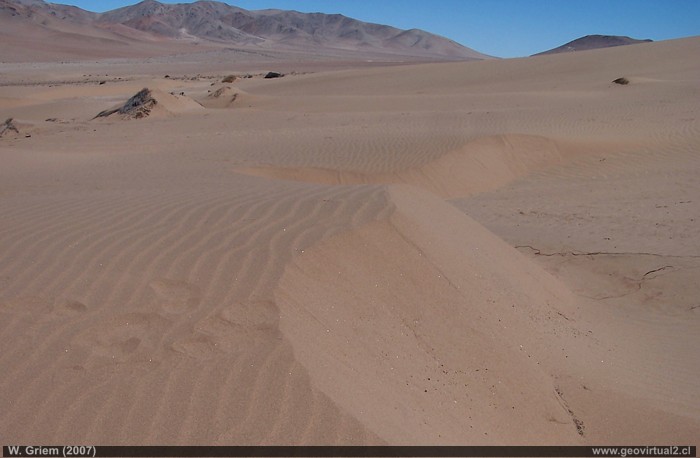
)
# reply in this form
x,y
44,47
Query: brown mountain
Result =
x,y
593,42
210,23
40,12
35,30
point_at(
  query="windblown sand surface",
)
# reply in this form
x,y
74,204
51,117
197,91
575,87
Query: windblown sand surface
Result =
x,y
496,252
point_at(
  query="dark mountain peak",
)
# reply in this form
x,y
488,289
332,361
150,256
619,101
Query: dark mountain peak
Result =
x,y
594,42
609,40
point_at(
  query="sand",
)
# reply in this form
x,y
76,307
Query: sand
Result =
x,y
495,252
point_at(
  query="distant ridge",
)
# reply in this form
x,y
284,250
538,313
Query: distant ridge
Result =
x,y
212,24
594,42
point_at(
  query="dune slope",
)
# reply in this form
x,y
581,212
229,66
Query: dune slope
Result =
x,y
417,322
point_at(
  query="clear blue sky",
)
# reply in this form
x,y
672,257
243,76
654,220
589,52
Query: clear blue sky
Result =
x,y
504,28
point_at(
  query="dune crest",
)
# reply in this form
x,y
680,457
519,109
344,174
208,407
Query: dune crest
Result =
x,y
483,164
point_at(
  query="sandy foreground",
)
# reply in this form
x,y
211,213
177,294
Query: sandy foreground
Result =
x,y
495,252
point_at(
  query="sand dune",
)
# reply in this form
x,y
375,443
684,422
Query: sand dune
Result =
x,y
481,165
496,252
365,312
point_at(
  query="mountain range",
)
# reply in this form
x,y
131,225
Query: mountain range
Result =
x,y
214,24
38,30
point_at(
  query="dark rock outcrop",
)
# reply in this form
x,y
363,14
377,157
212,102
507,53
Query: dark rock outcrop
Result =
x,y
8,126
138,106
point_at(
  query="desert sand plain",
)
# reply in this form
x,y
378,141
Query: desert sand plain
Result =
x,y
487,252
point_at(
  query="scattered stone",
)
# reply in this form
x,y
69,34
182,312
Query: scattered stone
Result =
x,y
222,97
271,75
622,81
166,76
229,79
219,92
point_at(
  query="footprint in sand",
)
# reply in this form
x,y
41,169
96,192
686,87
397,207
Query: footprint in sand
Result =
x,y
175,296
27,305
126,338
199,346
46,308
232,330
252,315
68,307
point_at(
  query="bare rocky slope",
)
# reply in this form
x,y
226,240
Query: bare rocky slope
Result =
x,y
210,23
